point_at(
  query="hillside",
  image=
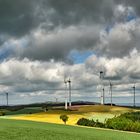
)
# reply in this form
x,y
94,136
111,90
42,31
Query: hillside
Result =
x,y
27,130
89,111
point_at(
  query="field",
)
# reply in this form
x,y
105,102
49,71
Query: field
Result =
x,y
28,130
92,112
35,124
27,110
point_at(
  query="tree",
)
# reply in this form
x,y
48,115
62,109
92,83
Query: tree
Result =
x,y
64,118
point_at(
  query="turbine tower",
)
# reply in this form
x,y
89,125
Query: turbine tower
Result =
x,y
102,87
69,82
56,99
66,105
134,88
110,85
65,82
6,98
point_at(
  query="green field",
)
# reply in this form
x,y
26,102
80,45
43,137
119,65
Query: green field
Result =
x,y
28,130
27,110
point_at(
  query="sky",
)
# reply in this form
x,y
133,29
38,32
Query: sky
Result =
x,y
44,41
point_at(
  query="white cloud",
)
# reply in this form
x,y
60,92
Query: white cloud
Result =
x,y
37,78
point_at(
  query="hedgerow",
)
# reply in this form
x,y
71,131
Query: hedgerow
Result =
x,y
125,122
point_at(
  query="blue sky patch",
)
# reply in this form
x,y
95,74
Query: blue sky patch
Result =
x,y
109,27
130,17
4,53
79,57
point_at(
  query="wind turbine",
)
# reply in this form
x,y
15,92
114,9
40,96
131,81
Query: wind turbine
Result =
x,y
134,88
66,105
56,99
102,92
110,85
6,97
69,83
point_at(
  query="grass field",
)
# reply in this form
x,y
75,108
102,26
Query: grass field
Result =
x,y
92,112
27,110
28,130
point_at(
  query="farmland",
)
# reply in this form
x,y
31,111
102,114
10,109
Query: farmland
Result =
x,y
35,124
92,112
28,130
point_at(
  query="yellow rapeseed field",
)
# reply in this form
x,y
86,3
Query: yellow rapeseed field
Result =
x,y
52,118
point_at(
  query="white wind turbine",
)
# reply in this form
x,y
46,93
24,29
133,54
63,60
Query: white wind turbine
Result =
x,y
7,97
110,89
69,84
102,87
134,99
66,104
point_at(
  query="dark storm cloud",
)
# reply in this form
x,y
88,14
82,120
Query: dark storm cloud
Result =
x,y
20,18
57,17
69,12
57,45
64,25
17,16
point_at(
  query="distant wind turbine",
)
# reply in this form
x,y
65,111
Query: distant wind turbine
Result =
x,y
102,92
56,99
134,88
69,84
110,89
6,98
66,104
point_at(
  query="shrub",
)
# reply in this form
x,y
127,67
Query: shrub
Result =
x,y
135,127
134,116
2,113
29,112
125,122
87,122
99,124
118,123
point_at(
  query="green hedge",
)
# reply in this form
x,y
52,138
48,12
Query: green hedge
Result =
x,y
122,123
125,122
134,116
92,123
